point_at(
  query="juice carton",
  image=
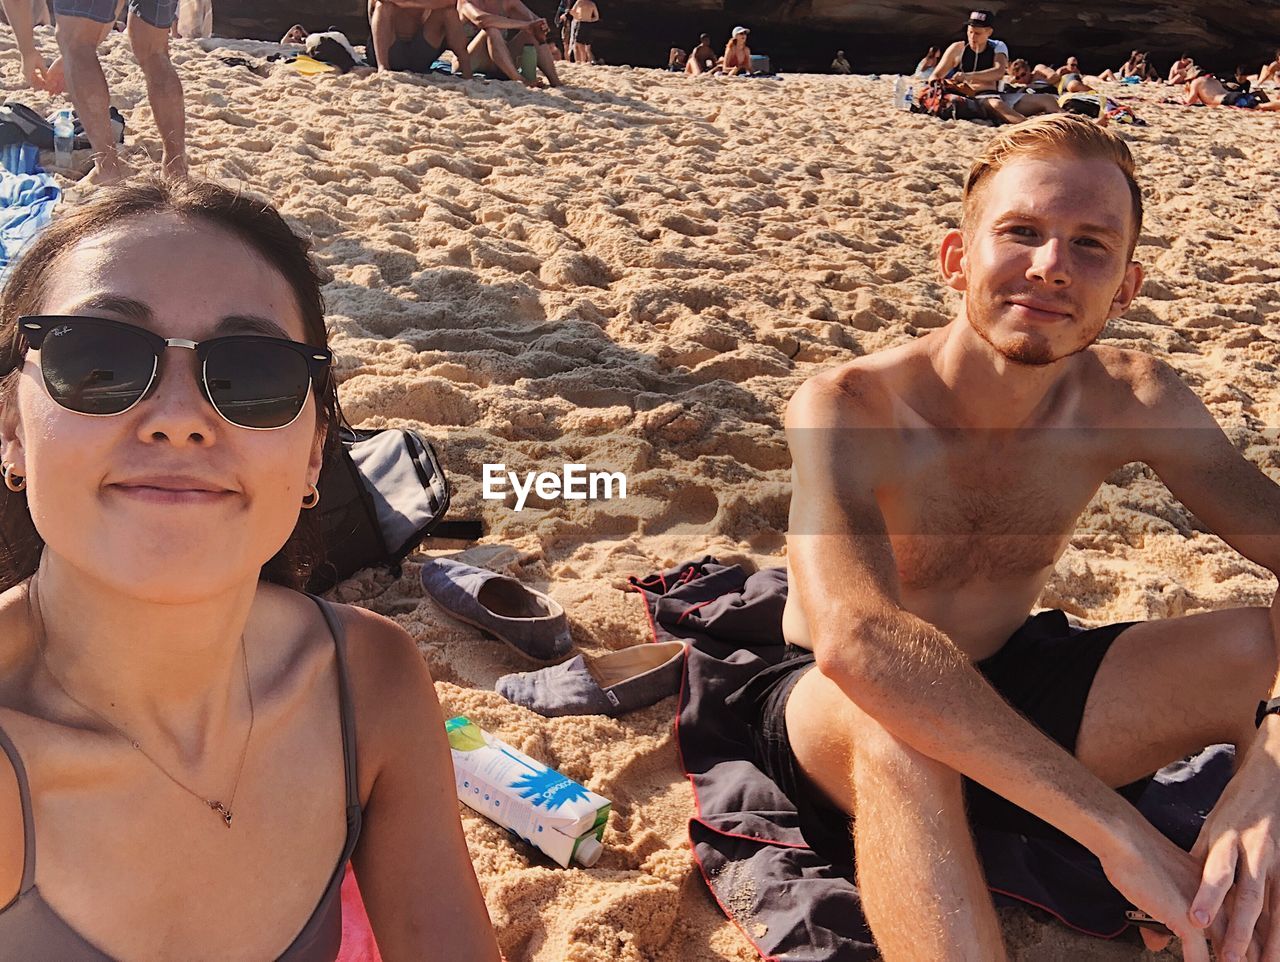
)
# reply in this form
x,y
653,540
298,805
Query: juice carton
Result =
x,y
548,810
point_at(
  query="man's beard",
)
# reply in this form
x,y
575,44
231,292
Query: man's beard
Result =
x,y
1025,350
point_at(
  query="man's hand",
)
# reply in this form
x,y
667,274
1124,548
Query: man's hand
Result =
x,y
33,70
1160,878
539,29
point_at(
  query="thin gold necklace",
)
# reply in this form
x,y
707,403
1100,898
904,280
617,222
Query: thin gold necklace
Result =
x,y
223,811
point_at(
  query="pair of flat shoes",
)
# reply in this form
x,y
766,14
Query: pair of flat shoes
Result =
x,y
535,626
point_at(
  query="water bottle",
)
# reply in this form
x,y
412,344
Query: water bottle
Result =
x,y
901,90
64,137
529,63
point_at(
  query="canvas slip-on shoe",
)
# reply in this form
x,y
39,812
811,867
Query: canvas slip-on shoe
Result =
x,y
526,620
611,684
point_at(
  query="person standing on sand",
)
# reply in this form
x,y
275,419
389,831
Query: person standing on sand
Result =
x,y
82,26
585,15
410,35
494,18
840,64
564,23
938,700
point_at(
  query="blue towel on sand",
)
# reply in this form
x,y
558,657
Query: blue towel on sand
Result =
x,y
26,205
800,904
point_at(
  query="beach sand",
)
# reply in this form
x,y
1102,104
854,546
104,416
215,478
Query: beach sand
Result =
x,y
635,273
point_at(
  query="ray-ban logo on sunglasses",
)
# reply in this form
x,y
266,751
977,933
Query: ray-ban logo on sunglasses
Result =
x,y
60,330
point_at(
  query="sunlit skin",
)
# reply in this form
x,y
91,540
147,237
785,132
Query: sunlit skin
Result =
x,y
1046,262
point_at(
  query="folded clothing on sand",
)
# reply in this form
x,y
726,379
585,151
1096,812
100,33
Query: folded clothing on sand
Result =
x,y
26,205
798,902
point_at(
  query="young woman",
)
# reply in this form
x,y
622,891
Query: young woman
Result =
x,y
930,60
190,750
737,55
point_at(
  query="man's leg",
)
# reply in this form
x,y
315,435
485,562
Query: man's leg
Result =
x,y
78,39
1168,688
164,91
1029,105
443,29
922,887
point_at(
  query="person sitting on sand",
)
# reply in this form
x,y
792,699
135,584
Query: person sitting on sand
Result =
x,y
1270,72
677,60
977,61
840,64
737,55
1068,78
295,36
1210,91
921,696
1240,80
1183,69
585,15
930,60
492,46
173,711
410,35
1135,68
703,59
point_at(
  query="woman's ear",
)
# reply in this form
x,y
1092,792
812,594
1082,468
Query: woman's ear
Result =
x,y
951,261
12,449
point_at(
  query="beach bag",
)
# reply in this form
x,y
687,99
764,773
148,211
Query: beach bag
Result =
x,y
381,495
940,99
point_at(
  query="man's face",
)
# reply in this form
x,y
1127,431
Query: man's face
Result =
x,y
1073,64
1019,72
1046,261
978,36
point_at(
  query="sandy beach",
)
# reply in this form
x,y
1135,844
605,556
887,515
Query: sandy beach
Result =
x,y
636,272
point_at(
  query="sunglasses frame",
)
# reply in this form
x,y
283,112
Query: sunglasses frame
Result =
x,y
35,327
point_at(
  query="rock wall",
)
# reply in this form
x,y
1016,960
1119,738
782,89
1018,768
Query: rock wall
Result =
x,y
877,35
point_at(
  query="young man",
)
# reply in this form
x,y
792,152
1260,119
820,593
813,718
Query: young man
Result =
x,y
585,15
1183,69
494,18
82,24
411,34
977,60
935,485
1067,80
703,59
1209,90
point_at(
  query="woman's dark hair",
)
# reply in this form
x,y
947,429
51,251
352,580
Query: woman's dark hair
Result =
x,y
253,221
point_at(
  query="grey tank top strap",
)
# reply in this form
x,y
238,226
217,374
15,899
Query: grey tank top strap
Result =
x,y
345,706
28,820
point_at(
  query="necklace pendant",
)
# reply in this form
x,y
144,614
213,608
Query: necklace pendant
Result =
x,y
221,810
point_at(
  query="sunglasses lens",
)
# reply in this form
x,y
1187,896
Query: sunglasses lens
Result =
x,y
95,369
257,384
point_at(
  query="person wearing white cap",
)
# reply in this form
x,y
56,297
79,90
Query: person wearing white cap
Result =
x,y
737,55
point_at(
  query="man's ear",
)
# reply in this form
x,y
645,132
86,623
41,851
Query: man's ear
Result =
x,y
951,261
1128,289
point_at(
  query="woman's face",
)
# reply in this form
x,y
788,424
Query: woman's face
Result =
x,y
168,501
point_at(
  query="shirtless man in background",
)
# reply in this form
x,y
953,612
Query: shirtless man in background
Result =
x,y
935,485
492,44
411,34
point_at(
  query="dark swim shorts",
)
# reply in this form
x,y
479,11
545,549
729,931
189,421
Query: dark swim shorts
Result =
x,y
1045,670
414,54
158,13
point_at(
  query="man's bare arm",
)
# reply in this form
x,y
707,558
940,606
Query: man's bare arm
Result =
x,y
477,15
919,686
950,60
1184,445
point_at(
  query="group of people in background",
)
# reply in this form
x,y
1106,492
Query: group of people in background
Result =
x,y
981,81
702,60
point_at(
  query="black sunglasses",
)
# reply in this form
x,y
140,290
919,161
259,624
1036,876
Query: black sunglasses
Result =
x,y
99,367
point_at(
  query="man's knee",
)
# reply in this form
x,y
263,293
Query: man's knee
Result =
x,y
1249,652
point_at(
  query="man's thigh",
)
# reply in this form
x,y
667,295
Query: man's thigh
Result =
x,y
1168,688
98,11
154,13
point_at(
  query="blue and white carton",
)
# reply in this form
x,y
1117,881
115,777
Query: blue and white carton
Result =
x,y
538,804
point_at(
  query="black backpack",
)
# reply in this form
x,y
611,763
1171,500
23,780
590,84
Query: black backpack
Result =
x,y
381,495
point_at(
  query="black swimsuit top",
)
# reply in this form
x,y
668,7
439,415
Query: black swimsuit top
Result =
x,y
30,929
